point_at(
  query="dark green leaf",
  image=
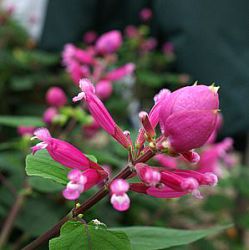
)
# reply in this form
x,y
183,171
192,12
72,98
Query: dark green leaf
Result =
x,y
78,236
149,238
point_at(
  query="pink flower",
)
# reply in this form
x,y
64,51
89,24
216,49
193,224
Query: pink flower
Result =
x,y
131,31
148,175
90,37
55,96
80,182
149,44
145,14
104,89
209,161
63,152
100,113
109,42
25,130
120,202
120,72
49,114
68,53
119,198
168,48
119,186
188,116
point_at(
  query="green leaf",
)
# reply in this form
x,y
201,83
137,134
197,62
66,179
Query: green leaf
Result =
x,y
15,121
44,185
41,164
75,235
149,238
92,158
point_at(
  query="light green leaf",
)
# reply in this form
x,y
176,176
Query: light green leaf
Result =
x,y
15,121
75,235
92,158
152,238
41,164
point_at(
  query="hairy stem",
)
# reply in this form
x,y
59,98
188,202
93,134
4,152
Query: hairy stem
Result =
x,y
89,203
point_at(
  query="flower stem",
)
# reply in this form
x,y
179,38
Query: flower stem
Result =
x,y
54,231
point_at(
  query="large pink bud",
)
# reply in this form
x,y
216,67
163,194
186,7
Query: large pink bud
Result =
x,y
109,42
188,116
55,96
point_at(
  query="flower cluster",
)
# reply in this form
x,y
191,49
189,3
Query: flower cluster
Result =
x,y
96,62
187,119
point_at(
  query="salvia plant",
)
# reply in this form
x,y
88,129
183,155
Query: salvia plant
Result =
x,y
171,154
187,119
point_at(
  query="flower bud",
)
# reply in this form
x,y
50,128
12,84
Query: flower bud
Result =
x,y
103,89
109,42
147,174
56,97
49,114
90,37
119,73
145,14
25,130
188,117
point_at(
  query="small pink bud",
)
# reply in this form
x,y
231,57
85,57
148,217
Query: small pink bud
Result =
x,y
90,37
144,118
168,48
166,161
55,96
191,156
149,44
145,14
211,179
109,42
103,89
189,184
49,114
147,174
120,202
119,186
131,31
25,130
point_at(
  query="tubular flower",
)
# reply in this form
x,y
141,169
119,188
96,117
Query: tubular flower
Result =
x,y
119,199
145,14
100,113
63,152
188,117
